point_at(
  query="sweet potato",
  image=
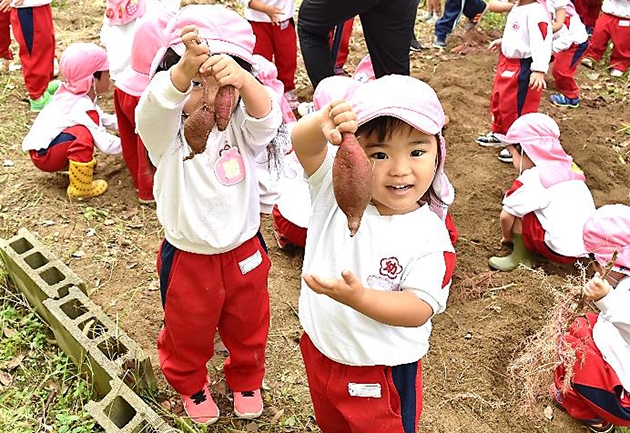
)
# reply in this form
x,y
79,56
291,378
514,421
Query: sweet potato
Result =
x,y
352,180
223,106
199,124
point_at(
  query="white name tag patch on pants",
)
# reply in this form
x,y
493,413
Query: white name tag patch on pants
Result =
x,y
250,263
364,390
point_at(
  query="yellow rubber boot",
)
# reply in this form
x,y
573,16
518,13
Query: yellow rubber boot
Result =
x,y
81,184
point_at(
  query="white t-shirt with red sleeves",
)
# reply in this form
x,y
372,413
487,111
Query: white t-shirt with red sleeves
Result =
x,y
528,33
618,8
286,6
562,209
611,332
410,252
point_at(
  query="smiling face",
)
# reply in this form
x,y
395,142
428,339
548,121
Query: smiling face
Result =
x,y
404,166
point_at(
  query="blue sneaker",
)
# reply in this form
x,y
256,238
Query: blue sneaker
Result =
x,y
562,101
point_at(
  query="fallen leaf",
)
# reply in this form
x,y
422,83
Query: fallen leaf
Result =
x,y
277,416
8,331
252,427
5,378
109,222
14,363
592,75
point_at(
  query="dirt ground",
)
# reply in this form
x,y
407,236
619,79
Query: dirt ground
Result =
x,y
111,242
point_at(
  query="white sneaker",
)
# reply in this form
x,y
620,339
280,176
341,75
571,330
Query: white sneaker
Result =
x,y
305,108
616,73
505,156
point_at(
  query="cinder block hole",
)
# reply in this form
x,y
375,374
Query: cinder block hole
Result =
x,y
21,246
36,260
112,348
92,328
52,276
120,412
145,427
74,309
65,290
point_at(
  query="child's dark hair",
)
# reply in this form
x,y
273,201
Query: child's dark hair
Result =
x,y
171,58
98,74
383,127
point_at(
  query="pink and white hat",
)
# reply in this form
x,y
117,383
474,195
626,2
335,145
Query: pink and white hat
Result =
x,y
147,41
78,64
267,73
364,71
539,136
333,87
224,30
414,102
607,231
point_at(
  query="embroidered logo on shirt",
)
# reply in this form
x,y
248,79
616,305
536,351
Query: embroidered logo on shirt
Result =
x,y
515,26
390,267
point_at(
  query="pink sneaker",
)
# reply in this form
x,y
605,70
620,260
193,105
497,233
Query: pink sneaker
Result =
x,y
248,404
200,407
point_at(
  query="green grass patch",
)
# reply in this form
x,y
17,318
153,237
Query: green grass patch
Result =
x,y
40,388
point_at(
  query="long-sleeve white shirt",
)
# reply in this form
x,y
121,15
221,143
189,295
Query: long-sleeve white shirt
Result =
x,y
611,332
199,213
528,33
31,3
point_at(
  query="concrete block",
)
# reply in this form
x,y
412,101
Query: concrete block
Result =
x,y
35,271
122,411
96,343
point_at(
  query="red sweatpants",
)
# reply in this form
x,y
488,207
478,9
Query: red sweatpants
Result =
x,y
511,94
564,68
344,46
5,36
618,29
588,10
203,293
596,394
34,31
135,154
397,410
74,143
278,44
286,230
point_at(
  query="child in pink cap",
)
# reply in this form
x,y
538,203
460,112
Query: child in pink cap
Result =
x,y
213,268
366,301
67,130
599,394
147,40
545,209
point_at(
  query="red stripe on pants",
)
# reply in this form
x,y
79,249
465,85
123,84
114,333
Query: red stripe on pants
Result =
x,y
206,293
279,46
81,149
337,412
505,93
563,71
590,370
135,154
5,36
606,28
37,64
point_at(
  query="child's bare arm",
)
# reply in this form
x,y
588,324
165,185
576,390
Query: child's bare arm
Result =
x,y
500,7
274,14
400,308
507,222
312,132
558,21
188,66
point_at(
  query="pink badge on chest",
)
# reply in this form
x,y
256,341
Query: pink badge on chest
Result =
x,y
229,168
